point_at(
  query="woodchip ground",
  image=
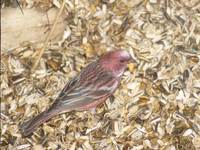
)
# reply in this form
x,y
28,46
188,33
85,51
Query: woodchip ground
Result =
x,y
158,103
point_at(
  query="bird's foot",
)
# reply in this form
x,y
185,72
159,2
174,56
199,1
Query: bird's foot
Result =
x,y
93,111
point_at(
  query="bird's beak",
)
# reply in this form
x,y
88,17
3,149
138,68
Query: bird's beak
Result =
x,y
132,65
133,61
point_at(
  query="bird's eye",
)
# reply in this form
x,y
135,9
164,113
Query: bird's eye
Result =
x,y
122,61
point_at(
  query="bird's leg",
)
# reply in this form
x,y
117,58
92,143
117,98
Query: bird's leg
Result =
x,y
93,110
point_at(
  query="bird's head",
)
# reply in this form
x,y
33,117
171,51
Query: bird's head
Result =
x,y
116,61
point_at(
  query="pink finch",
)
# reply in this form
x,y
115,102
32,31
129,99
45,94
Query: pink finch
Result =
x,y
95,83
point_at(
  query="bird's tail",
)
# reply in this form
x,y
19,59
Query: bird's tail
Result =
x,y
30,126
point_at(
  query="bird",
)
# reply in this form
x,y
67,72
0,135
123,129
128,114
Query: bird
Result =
x,y
92,86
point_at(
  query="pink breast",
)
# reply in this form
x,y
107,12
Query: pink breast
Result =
x,y
94,104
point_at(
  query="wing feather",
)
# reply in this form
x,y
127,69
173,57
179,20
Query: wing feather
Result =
x,y
83,90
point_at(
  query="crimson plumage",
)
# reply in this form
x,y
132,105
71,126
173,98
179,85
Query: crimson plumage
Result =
x,y
94,84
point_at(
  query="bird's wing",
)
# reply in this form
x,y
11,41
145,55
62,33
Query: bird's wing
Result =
x,y
87,88
68,87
